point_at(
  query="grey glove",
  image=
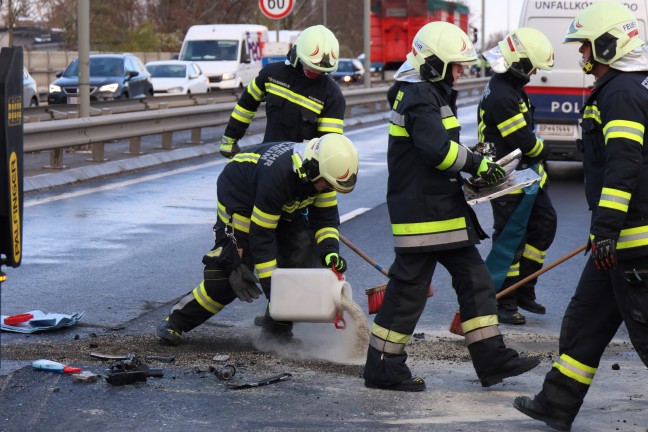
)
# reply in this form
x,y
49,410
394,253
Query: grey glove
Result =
x,y
244,284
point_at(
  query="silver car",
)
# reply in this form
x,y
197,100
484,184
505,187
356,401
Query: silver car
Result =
x,y
30,90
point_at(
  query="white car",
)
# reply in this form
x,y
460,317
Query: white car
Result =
x,y
172,77
30,90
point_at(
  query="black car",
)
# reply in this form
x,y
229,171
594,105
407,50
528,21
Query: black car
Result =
x,y
112,76
348,71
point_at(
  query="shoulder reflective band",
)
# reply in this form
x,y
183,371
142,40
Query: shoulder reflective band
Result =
x,y
624,129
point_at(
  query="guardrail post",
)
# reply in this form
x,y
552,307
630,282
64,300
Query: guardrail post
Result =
x,y
98,149
135,146
56,160
167,137
195,137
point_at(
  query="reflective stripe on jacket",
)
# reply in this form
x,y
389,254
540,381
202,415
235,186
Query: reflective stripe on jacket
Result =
x,y
297,108
426,203
256,190
615,158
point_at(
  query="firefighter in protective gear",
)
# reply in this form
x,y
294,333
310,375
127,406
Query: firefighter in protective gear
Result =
x,y
613,288
505,118
262,198
302,101
431,221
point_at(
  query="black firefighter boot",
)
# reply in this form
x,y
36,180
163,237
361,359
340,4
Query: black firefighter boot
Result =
x,y
558,402
494,362
526,300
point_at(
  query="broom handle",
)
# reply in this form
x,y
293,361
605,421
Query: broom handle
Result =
x,y
539,272
364,256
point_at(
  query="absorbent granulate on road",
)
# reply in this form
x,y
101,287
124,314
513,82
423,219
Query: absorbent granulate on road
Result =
x,y
358,326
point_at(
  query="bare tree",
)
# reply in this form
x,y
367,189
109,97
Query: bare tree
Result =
x,y
14,10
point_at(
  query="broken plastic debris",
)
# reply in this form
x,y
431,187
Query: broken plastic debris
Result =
x,y
221,357
85,376
41,322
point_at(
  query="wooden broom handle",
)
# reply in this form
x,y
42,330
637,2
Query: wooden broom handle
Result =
x,y
539,272
355,249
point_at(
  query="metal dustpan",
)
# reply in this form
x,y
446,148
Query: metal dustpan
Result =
x,y
477,191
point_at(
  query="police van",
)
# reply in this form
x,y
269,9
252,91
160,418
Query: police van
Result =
x,y
229,54
558,95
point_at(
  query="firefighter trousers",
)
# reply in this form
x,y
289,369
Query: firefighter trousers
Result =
x,y
529,257
404,301
296,245
603,300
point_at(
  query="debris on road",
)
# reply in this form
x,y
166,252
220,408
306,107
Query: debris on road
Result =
x,y
225,372
263,382
40,322
52,366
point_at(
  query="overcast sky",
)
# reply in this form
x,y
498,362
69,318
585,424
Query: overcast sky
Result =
x,y
501,15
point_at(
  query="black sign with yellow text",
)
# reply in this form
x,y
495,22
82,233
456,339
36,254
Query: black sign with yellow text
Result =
x,y
11,156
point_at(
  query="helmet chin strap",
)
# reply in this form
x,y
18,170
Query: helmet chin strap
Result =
x,y
588,65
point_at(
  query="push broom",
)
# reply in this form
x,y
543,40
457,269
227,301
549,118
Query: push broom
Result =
x,y
376,294
455,325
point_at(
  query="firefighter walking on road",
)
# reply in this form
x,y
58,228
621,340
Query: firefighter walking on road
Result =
x,y
505,118
260,196
613,288
431,221
301,101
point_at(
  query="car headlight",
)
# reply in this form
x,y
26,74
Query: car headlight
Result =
x,y
229,76
111,88
175,90
346,78
54,88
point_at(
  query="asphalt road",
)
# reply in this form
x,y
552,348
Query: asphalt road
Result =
x,y
124,248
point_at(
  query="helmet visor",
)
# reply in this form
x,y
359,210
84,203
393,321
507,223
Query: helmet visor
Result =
x,y
345,186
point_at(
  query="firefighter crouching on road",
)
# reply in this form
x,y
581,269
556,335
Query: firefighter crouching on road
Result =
x,y
259,193
613,287
302,101
505,118
431,221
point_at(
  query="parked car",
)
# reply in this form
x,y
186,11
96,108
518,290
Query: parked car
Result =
x,y
348,71
177,77
30,90
112,76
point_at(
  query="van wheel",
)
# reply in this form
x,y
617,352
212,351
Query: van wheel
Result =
x,y
33,103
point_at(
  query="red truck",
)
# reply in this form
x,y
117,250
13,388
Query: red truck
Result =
x,y
395,22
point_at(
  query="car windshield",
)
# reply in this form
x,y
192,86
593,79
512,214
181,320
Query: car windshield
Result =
x,y
206,50
345,66
99,67
167,71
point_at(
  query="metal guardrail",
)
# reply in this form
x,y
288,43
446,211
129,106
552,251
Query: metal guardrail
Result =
x,y
164,116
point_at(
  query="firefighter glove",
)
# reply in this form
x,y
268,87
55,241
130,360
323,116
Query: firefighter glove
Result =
x,y
333,259
603,252
244,284
229,147
490,171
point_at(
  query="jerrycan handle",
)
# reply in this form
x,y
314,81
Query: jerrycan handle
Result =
x,y
339,275
340,323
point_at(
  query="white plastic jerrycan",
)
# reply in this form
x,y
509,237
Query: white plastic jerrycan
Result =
x,y
307,295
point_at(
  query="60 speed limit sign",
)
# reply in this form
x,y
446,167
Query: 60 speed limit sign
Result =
x,y
276,9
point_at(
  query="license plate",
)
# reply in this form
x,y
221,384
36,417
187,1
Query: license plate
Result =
x,y
556,129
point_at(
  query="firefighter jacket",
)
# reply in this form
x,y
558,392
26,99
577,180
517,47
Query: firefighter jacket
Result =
x,y
256,190
425,198
505,118
615,159
297,108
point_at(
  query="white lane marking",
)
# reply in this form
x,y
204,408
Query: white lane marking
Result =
x,y
353,214
35,202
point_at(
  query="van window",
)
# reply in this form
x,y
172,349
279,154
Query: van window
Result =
x,y
210,50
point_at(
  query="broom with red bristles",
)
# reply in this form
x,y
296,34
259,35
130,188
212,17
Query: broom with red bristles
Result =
x,y
455,325
376,294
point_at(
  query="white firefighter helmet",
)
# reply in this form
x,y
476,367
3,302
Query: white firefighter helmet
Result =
x,y
436,45
523,50
333,158
317,48
610,27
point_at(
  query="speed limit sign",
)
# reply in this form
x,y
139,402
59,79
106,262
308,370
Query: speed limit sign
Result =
x,y
276,9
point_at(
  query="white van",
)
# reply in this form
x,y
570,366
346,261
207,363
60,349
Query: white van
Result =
x,y
229,54
558,95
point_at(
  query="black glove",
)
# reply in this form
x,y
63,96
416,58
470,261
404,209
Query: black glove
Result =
x,y
244,284
603,252
229,147
490,171
333,259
